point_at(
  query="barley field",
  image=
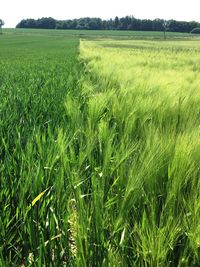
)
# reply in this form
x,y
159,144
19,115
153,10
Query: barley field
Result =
x,y
148,100
99,151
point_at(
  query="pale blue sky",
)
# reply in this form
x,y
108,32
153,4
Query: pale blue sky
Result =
x,y
12,11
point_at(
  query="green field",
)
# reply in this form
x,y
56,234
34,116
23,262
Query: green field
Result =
x,y
99,149
101,33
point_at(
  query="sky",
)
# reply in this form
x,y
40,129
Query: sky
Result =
x,y
13,11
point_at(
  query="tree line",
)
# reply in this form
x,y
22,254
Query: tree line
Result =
x,y
124,23
1,24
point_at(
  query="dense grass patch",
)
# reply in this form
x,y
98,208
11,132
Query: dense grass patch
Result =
x,y
36,75
145,106
99,152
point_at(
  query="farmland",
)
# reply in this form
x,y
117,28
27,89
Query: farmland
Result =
x,y
99,149
99,33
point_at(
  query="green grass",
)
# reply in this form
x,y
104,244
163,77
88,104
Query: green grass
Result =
x,y
99,158
146,106
36,75
101,33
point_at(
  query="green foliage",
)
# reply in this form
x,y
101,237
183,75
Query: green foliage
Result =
x,y
124,23
196,30
43,23
1,24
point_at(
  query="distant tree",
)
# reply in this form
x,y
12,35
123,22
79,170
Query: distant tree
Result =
x,y
110,25
135,24
83,24
116,23
95,24
146,25
195,30
104,25
192,25
157,25
1,24
124,23
43,23
46,23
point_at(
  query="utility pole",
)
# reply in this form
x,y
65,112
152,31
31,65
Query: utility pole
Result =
x,y
165,27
